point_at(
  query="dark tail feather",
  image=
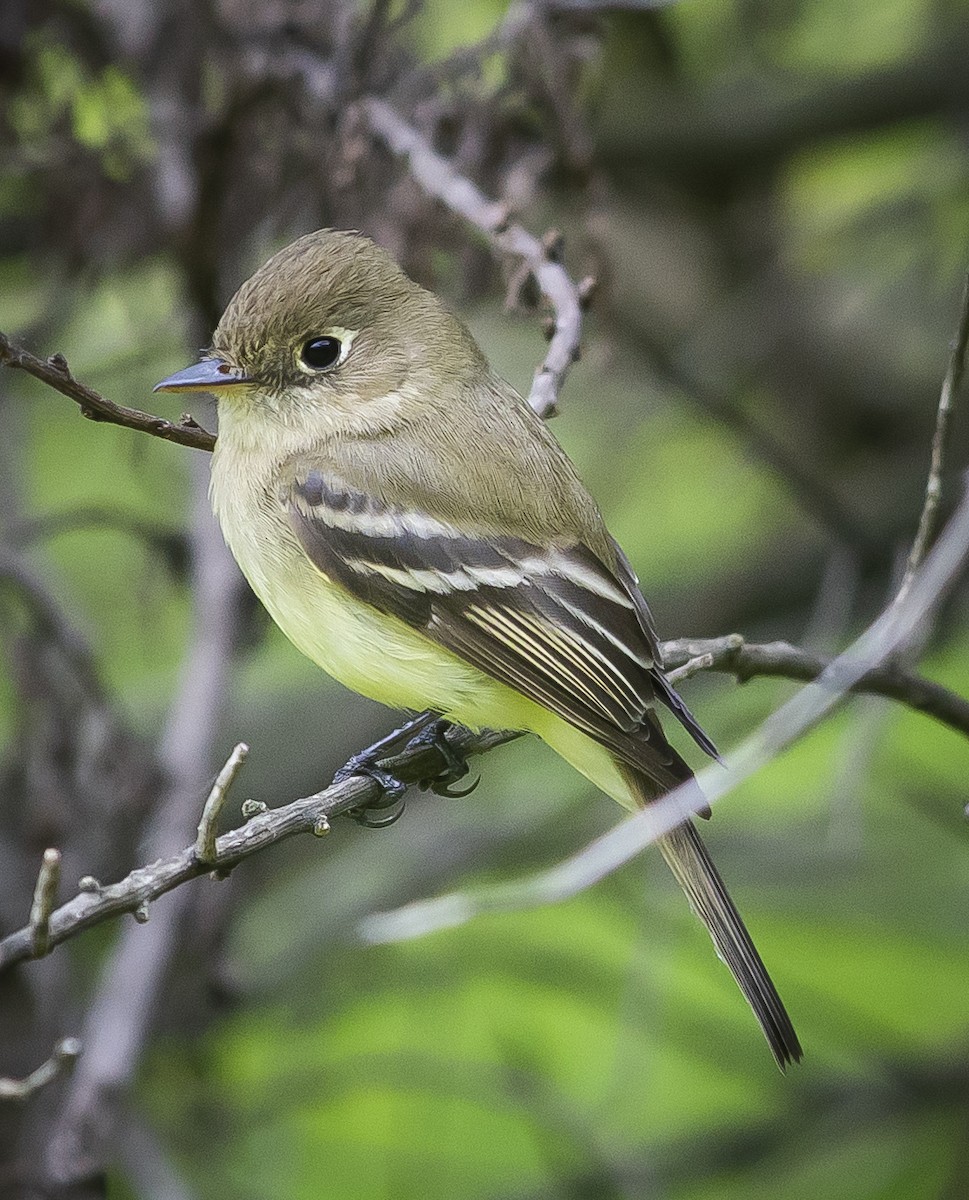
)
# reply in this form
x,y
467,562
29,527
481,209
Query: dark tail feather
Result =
x,y
689,861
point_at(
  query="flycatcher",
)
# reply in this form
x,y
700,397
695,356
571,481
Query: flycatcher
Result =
x,y
417,531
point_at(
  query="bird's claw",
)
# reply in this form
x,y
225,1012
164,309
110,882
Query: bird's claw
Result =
x,y
455,767
391,803
365,816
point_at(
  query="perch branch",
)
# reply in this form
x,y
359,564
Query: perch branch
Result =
x,y
541,257
730,655
307,815
55,372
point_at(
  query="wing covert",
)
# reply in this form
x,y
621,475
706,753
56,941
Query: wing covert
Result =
x,y
552,622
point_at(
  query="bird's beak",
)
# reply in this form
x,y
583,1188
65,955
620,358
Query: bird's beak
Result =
x,y
210,375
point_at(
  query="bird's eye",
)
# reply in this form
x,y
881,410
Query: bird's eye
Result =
x,y
321,352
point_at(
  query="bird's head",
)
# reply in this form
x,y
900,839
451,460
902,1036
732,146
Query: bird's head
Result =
x,y
330,326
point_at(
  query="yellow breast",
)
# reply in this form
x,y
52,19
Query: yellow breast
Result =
x,y
368,651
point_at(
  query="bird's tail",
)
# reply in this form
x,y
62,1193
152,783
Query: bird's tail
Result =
x,y
636,787
689,861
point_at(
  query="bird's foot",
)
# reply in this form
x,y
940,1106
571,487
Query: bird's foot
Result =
x,y
455,766
430,731
390,806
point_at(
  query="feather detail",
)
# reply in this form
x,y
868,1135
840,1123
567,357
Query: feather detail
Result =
x,y
552,622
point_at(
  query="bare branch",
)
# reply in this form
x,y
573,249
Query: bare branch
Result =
x,y
439,179
205,848
55,372
731,655
45,893
307,815
65,1055
929,519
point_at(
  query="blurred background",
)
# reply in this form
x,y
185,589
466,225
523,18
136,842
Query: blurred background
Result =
x,y
774,198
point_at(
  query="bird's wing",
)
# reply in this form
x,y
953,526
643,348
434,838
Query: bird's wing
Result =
x,y
664,689
552,622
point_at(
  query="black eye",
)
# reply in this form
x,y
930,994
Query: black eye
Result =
x,y
321,352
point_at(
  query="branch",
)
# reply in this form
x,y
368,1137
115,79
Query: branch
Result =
x,y
731,655
929,519
540,257
310,814
63,1059
55,372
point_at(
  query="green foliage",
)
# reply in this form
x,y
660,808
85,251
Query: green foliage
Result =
x,y
836,193
104,110
852,36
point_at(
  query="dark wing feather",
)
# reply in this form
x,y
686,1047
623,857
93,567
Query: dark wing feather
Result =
x,y
664,689
554,623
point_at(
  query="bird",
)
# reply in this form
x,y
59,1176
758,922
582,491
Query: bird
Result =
x,y
417,531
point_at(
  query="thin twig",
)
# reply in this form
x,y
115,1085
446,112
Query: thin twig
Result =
x,y
45,893
62,1059
55,372
731,655
439,179
929,520
205,850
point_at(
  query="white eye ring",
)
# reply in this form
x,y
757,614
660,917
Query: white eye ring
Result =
x,y
343,338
